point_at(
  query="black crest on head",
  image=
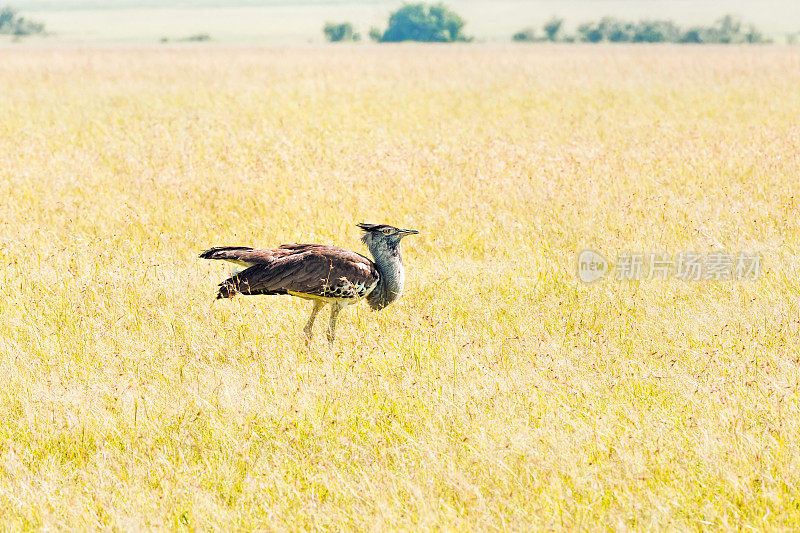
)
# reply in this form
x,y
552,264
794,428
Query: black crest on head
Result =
x,y
372,227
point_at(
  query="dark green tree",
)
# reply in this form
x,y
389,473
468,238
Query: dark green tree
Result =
x,y
754,36
525,35
7,16
11,23
590,32
617,31
426,23
693,35
552,28
729,30
656,31
340,32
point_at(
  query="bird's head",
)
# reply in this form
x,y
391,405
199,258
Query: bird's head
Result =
x,y
383,234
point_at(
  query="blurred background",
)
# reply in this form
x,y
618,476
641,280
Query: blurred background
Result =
x,y
299,22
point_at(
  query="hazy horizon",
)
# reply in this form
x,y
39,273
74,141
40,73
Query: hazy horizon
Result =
x,y
278,21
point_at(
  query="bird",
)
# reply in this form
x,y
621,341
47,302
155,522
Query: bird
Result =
x,y
321,273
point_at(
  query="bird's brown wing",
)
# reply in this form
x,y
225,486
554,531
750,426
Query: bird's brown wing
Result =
x,y
243,255
315,270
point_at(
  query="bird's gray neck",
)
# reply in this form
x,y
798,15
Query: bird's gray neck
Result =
x,y
390,265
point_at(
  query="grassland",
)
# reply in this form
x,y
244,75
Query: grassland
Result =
x,y
499,393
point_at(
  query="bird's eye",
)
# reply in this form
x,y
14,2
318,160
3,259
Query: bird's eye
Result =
x,y
387,231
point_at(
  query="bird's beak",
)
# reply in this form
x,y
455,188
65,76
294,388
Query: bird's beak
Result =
x,y
405,232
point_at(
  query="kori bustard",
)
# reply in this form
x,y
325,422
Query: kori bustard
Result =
x,y
321,273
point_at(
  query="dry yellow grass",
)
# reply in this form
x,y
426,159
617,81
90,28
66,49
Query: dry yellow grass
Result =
x,y
499,393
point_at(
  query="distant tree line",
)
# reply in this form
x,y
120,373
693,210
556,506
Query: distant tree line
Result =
x,y
438,23
12,24
196,38
727,30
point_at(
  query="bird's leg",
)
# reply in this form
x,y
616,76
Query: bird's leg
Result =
x,y
318,304
335,308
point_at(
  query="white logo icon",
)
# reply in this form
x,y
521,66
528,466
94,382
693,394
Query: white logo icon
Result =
x,y
591,266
